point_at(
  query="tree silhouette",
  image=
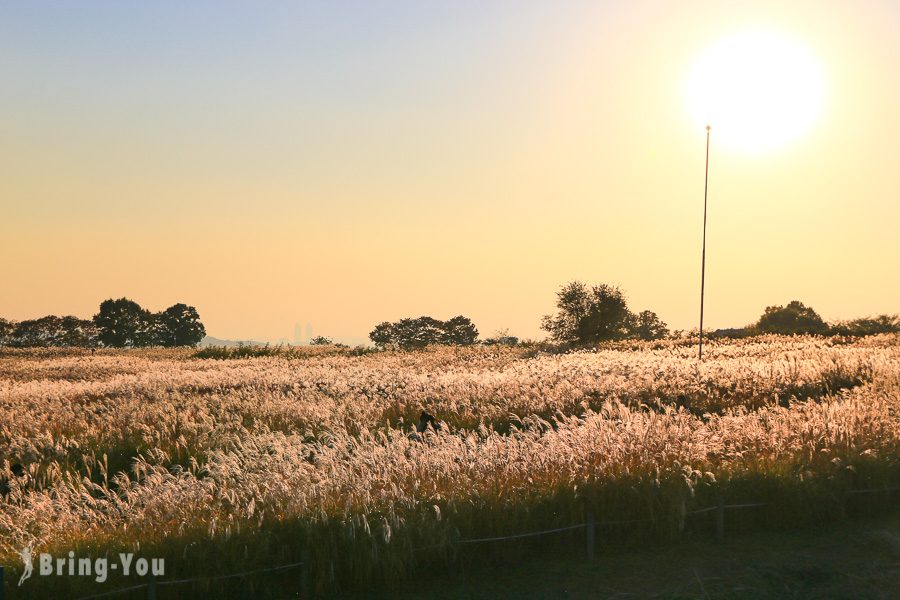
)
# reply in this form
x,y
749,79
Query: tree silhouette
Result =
x,y
37,333
118,324
123,323
417,333
867,326
648,326
178,325
795,318
589,315
459,331
383,334
49,331
6,331
77,332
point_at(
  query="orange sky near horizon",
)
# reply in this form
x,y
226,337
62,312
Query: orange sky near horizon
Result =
x,y
344,164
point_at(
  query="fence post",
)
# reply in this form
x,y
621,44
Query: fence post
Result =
x,y
590,531
720,518
151,587
305,575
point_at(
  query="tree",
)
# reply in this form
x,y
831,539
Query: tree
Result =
x,y
37,333
589,315
423,331
6,331
124,323
648,326
321,340
82,333
50,331
119,323
404,334
573,302
178,325
383,334
867,326
459,331
418,333
795,318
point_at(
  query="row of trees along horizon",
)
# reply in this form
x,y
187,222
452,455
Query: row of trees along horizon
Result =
x,y
586,315
121,323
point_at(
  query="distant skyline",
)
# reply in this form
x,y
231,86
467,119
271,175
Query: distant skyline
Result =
x,y
355,162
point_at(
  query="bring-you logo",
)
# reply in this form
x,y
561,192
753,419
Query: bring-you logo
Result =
x,y
98,568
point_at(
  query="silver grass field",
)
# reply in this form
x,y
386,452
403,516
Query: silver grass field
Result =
x,y
223,465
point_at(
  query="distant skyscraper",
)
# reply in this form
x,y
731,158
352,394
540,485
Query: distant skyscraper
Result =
x,y
308,332
298,334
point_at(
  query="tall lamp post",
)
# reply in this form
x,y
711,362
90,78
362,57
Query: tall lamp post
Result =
x,y
703,261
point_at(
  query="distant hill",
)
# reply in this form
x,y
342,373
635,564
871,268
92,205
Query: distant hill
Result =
x,y
214,341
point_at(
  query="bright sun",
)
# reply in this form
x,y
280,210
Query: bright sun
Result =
x,y
758,91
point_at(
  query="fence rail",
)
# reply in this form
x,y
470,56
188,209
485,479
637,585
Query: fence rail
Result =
x,y
152,583
589,525
521,535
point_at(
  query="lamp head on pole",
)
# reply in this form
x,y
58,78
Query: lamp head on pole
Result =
x,y
708,128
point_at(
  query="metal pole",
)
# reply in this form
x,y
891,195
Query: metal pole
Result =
x,y
720,517
306,589
703,265
151,587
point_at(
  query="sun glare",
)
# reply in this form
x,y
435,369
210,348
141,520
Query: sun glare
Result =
x,y
758,90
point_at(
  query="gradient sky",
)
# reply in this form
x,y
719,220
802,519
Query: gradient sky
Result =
x,y
345,163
